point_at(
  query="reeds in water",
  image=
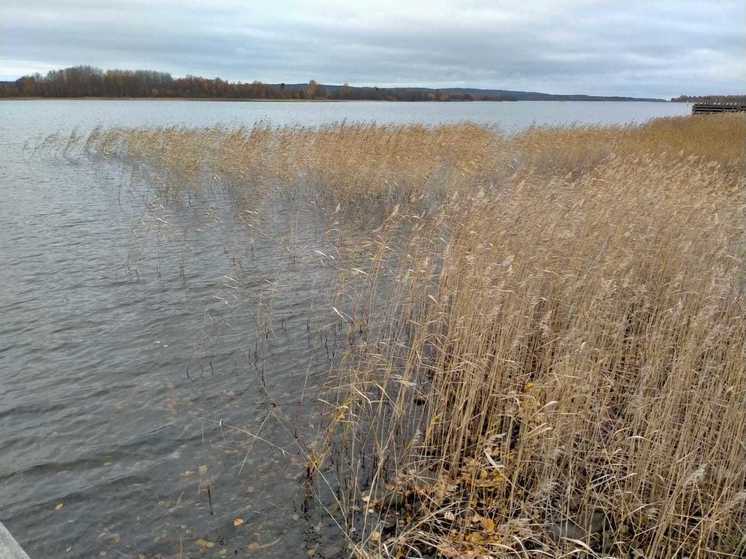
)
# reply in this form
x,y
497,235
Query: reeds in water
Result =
x,y
559,362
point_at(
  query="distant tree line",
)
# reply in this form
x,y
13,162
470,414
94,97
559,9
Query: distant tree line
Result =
x,y
741,99
87,81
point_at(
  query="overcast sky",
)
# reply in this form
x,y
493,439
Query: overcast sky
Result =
x,y
627,47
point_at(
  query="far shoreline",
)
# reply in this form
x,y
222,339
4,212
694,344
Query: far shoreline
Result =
x,y
222,99
265,100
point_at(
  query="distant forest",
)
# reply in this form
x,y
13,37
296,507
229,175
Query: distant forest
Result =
x,y
87,81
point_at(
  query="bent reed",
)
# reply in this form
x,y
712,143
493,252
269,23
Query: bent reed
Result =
x,y
558,362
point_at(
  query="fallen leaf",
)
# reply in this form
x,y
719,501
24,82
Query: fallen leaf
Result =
x,y
238,522
59,506
205,544
255,546
476,538
203,469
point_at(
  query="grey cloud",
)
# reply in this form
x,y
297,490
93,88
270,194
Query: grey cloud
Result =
x,y
658,48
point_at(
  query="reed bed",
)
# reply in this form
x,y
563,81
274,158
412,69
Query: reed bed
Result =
x,y
556,360
572,150
568,379
340,162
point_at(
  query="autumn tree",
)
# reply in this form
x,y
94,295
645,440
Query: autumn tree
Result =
x,y
312,89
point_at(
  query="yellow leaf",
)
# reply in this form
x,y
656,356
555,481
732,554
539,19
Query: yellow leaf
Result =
x,y
475,538
59,506
488,524
205,544
238,522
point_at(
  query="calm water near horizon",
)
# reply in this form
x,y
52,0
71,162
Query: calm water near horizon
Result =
x,y
160,365
509,116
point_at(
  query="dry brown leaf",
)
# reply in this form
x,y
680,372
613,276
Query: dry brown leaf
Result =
x,y
488,524
204,544
255,546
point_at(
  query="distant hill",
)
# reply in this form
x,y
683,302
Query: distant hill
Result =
x,y
87,81
492,94
536,96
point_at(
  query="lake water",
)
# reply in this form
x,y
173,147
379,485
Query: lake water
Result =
x,y
160,365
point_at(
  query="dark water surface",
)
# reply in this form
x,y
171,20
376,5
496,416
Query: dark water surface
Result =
x,y
160,363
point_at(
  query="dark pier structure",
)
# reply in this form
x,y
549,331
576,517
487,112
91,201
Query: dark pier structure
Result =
x,y
732,105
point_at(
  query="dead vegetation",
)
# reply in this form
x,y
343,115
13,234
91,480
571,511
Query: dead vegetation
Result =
x,y
555,361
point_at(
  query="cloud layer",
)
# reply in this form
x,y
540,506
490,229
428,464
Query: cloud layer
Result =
x,y
643,48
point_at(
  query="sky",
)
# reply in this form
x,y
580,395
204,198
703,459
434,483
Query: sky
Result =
x,y
650,48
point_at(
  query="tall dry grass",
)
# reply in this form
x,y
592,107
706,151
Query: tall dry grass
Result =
x,y
574,367
390,164
571,150
567,373
557,364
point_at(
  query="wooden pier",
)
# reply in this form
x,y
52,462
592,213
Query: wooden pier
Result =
x,y
9,548
725,107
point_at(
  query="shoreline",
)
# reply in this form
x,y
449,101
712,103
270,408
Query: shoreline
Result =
x,y
226,100
232,100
